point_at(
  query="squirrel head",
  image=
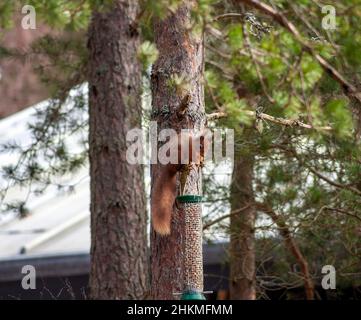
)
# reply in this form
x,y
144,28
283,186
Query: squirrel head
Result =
x,y
193,146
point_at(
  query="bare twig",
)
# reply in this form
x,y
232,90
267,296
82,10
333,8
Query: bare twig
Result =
x,y
340,211
229,15
333,183
267,117
234,212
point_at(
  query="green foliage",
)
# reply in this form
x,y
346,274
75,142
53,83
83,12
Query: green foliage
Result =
x,y
290,163
350,48
180,83
69,15
338,112
211,78
6,13
314,195
201,14
235,36
147,54
290,44
312,72
277,174
226,92
235,110
160,8
293,109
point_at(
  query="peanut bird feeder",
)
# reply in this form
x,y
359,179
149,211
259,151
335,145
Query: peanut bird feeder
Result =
x,y
191,209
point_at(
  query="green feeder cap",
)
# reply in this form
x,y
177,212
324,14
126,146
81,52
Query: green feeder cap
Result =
x,y
192,295
190,198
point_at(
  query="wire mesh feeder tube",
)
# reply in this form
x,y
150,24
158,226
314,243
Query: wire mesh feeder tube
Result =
x,y
191,208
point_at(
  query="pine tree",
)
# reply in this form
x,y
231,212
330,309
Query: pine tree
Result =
x,y
119,254
177,103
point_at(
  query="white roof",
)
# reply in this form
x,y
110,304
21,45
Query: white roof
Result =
x,y
58,222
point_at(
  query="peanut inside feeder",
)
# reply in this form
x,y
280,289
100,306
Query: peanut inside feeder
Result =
x,y
191,208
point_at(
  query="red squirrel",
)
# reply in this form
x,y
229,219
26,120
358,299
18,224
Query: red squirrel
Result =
x,y
164,190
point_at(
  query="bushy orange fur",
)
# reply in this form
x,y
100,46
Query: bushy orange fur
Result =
x,y
164,190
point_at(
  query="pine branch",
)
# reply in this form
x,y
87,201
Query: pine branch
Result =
x,y
292,246
318,174
348,88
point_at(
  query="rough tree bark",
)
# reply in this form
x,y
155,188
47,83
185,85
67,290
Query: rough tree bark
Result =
x,y
119,254
242,246
180,54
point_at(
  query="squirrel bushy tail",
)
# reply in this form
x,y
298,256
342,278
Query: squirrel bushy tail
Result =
x,y
163,197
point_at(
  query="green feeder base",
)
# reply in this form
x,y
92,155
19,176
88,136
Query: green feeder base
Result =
x,y
192,295
190,198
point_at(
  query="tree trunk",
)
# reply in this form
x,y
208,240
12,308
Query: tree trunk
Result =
x,y
242,249
119,255
180,54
